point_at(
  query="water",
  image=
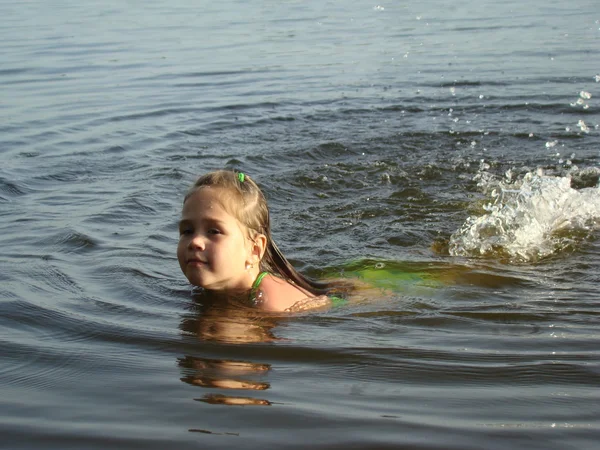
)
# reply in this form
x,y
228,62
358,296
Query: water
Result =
x,y
456,141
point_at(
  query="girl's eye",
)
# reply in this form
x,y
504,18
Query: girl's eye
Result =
x,y
214,231
186,231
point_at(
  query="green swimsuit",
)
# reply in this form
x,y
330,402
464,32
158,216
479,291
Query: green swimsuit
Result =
x,y
336,302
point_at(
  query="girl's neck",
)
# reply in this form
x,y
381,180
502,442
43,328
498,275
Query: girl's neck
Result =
x,y
241,290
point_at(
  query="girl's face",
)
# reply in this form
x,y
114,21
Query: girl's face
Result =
x,y
214,248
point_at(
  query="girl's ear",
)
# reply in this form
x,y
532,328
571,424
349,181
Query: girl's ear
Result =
x,y
259,246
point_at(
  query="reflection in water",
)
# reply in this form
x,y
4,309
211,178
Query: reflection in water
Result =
x,y
219,399
224,374
197,430
227,321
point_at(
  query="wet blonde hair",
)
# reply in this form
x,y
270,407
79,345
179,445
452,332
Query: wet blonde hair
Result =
x,y
243,199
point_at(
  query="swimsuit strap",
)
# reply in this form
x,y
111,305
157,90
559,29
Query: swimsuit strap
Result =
x,y
259,278
255,286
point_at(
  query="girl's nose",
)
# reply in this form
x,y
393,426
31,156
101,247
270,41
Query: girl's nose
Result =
x,y
197,242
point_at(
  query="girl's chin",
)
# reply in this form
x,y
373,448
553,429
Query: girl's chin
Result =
x,y
226,290
220,289
223,287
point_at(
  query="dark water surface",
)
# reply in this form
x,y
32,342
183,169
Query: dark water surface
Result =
x,y
456,142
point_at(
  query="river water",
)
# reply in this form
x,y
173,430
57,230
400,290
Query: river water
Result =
x,y
457,143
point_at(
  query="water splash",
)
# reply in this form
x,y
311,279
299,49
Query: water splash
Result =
x,y
583,127
532,218
581,101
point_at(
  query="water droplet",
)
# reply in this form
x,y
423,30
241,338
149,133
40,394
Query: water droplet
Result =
x,y
585,95
581,124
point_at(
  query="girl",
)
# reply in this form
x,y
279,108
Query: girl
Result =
x,y
226,247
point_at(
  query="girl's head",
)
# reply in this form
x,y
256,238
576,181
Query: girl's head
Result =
x,y
240,196
225,235
223,232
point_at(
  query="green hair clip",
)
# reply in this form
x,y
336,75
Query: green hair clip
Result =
x,y
241,177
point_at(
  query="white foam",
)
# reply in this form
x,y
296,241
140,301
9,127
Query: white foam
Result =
x,y
531,218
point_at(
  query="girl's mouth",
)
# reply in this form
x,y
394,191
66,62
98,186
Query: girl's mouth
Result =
x,y
196,262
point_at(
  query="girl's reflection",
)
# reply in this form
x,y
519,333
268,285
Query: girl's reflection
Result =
x,y
229,321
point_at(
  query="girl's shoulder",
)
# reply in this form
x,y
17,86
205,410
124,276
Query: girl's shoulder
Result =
x,y
276,294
